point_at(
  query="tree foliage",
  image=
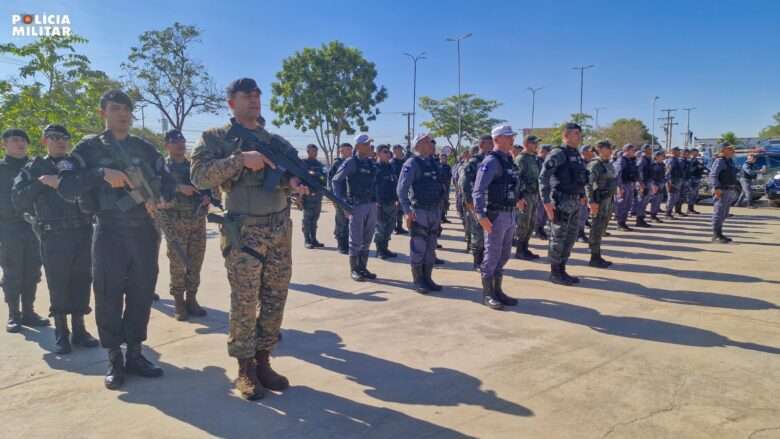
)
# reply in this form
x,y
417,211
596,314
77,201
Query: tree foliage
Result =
x,y
476,119
772,130
330,90
160,72
623,131
729,137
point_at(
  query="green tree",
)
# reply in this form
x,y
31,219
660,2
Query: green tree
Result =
x,y
330,90
161,73
476,119
772,130
729,137
623,131
54,85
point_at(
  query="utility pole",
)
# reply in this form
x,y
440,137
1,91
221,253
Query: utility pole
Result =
x,y
414,87
460,104
408,130
533,103
688,133
597,109
652,121
668,126
582,79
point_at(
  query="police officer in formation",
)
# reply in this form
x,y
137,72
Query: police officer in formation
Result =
x,y
725,187
747,175
420,192
445,176
600,190
496,197
528,170
562,186
587,153
644,164
627,177
183,222
675,173
467,179
312,203
256,236
697,170
686,185
65,232
459,195
541,215
99,170
386,201
20,256
356,181
657,184
341,229
399,158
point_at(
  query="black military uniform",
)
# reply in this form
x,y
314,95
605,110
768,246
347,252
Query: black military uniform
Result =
x,y
65,233
341,231
312,205
398,165
126,240
387,208
20,253
445,176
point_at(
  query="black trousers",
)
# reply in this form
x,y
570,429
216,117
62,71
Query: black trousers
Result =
x,y
20,258
125,272
67,261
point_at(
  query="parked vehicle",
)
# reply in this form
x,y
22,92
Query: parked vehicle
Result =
x,y
773,190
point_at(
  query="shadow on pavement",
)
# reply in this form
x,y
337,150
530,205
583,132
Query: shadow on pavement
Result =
x,y
318,290
215,322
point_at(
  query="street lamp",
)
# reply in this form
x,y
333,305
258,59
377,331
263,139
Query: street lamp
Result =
x,y
597,109
414,87
533,103
460,104
582,78
652,121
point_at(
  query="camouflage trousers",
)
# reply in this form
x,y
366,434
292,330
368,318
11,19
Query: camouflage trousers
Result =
x,y
185,238
477,233
526,219
258,287
598,225
385,221
564,228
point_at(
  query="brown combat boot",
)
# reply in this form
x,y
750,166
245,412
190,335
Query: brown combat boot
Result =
x,y
181,313
246,383
267,376
193,307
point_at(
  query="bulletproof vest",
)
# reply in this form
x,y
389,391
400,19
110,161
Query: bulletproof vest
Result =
x,y
445,174
426,189
49,207
9,169
180,171
361,185
658,172
334,168
728,175
502,191
629,170
398,164
386,183
643,168
472,166
677,172
530,174
686,167
571,176
316,170
697,169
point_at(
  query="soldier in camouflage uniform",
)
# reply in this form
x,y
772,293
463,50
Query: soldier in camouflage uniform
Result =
x,y
528,177
466,183
562,185
184,226
312,204
601,188
256,238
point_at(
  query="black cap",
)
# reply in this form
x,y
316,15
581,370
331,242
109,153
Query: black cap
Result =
x,y
117,96
585,148
486,137
547,147
572,126
174,136
383,148
244,84
604,144
533,139
676,148
56,129
15,132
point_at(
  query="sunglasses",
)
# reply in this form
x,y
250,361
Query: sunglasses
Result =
x,y
54,136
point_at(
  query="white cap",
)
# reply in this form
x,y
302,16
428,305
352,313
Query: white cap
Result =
x,y
362,138
502,130
419,137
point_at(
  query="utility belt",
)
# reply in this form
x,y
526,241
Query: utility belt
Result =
x,y
185,215
425,206
230,225
65,224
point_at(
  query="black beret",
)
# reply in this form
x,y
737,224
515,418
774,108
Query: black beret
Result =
x,y
15,132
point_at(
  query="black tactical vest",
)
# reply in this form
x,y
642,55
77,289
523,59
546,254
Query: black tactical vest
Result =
x,y
629,170
386,183
9,169
572,175
361,186
49,207
426,189
502,191
727,177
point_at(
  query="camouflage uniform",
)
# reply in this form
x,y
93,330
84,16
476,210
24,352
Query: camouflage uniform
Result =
x,y
466,183
256,240
601,188
528,175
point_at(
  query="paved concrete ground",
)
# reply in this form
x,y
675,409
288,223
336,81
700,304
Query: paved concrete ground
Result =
x,y
680,339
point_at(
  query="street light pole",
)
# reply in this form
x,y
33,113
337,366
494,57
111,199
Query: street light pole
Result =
x,y
533,103
652,121
688,126
460,104
597,109
414,87
582,79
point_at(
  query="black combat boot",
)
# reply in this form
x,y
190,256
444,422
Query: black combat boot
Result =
x,y
307,240
29,316
541,234
390,254
678,210
656,219
193,307
136,364
564,274
556,275
14,317
438,261
399,230
624,227
343,245
524,253
717,236
354,268
61,334
364,267
313,239
479,256
499,292
691,209
669,216
115,375
640,222
246,382
597,261
427,272
180,310
418,278
489,298
80,336
468,244
582,237
267,376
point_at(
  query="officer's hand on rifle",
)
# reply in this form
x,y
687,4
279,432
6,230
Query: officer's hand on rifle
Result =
x,y
117,179
550,211
300,189
186,189
255,161
486,224
53,181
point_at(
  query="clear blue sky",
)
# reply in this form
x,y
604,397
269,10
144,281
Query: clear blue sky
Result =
x,y
719,56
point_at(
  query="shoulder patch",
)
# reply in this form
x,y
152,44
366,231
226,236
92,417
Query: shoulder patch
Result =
x,y
65,165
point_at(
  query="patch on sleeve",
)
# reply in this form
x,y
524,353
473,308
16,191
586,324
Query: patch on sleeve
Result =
x,y
65,165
